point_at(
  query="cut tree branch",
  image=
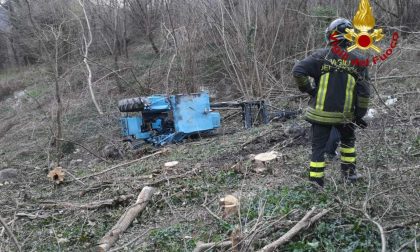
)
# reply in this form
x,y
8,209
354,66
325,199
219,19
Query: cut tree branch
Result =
x,y
10,233
206,246
304,223
90,206
122,165
125,220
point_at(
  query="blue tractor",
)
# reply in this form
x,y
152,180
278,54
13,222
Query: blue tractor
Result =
x,y
161,119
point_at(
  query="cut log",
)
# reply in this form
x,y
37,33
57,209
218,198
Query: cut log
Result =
x,y
56,175
266,157
304,223
263,159
125,220
206,246
230,205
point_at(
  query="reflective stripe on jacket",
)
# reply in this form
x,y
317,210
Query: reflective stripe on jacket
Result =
x,y
341,89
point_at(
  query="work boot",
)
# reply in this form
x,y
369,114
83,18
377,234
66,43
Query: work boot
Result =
x,y
318,181
351,177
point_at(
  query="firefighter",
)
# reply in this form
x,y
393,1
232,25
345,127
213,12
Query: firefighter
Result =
x,y
339,99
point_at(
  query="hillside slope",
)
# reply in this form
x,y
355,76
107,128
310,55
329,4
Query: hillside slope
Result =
x,y
185,210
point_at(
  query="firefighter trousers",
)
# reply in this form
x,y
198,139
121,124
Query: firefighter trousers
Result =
x,y
320,136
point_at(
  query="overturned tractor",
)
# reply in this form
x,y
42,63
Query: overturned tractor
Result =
x,y
167,119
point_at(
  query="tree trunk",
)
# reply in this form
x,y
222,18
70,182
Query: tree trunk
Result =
x,y
59,104
152,42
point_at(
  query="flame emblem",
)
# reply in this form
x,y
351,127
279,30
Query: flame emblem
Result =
x,y
364,21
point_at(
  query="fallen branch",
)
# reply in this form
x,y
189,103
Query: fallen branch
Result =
x,y
381,231
123,164
265,231
398,77
408,243
86,149
304,223
34,216
125,220
252,140
98,186
74,177
206,246
366,214
7,127
167,179
10,233
403,224
90,206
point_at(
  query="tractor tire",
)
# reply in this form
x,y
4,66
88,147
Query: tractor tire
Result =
x,y
131,105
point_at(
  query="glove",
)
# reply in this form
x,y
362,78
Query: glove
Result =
x,y
361,123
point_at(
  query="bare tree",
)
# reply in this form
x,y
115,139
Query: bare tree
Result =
x,y
87,42
146,15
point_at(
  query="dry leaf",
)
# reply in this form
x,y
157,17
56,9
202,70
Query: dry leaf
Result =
x,y
56,175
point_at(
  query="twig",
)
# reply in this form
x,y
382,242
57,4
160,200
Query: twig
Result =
x,y
74,177
304,223
398,77
365,213
9,232
91,152
154,183
214,215
125,246
308,15
33,216
263,134
123,164
403,224
408,243
92,205
271,228
169,72
284,143
384,9
111,73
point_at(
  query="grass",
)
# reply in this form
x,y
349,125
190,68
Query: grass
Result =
x,y
173,238
62,232
344,232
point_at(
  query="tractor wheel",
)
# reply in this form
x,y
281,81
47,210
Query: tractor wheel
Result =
x,y
131,105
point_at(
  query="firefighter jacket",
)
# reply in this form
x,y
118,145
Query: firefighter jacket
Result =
x,y
341,92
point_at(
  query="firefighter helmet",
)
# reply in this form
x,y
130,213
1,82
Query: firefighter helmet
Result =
x,y
336,30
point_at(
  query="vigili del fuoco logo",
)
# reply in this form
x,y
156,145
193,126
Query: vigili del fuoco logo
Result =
x,y
364,38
